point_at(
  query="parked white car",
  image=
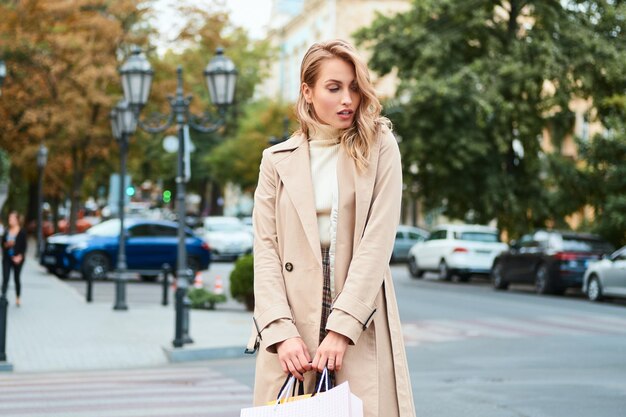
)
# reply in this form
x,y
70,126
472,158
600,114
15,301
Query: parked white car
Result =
x,y
227,237
606,278
460,250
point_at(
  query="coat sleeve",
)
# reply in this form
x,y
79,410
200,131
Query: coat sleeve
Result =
x,y
21,243
272,314
354,307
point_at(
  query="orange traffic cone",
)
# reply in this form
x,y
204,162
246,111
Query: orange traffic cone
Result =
x,y
217,287
197,281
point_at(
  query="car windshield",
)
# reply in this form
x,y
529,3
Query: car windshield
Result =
x,y
478,236
224,227
577,244
108,228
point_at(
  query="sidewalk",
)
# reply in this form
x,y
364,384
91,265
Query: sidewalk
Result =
x,y
55,329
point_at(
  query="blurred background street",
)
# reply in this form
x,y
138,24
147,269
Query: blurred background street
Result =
x,y
471,351
509,262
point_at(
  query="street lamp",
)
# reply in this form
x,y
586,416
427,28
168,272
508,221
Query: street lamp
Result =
x,y
3,73
123,124
42,160
220,76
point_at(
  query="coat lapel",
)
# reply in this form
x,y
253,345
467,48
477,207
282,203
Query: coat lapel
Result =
x,y
355,197
294,169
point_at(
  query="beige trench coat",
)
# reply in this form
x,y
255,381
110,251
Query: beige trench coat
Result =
x,y
288,277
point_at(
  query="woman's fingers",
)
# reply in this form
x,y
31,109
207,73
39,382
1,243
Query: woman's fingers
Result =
x,y
338,361
294,370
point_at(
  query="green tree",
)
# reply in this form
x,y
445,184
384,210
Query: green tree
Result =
x,y
478,78
237,160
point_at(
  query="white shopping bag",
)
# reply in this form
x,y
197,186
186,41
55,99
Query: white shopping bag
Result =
x,y
336,402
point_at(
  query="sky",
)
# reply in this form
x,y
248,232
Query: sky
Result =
x,y
253,15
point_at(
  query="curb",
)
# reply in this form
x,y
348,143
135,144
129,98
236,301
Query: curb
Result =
x,y
202,354
6,367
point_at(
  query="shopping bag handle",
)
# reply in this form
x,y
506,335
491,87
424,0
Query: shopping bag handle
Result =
x,y
290,385
324,380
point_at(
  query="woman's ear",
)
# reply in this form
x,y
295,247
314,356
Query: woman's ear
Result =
x,y
306,92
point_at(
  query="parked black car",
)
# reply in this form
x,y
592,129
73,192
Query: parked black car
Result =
x,y
551,260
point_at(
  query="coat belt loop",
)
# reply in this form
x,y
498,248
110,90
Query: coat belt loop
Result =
x,y
258,331
257,341
368,319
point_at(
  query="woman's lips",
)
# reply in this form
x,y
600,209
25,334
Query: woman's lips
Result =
x,y
345,114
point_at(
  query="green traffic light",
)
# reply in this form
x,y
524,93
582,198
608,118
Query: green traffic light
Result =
x,y
167,196
130,191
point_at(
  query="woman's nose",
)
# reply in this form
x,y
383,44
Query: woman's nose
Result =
x,y
346,99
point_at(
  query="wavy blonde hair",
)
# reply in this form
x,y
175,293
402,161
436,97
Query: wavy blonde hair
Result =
x,y
357,139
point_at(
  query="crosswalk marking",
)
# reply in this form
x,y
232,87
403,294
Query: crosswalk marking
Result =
x,y
422,332
176,391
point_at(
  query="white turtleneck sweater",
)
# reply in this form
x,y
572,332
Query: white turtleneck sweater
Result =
x,y
324,151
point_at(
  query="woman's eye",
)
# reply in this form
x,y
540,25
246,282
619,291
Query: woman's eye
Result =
x,y
333,89
354,88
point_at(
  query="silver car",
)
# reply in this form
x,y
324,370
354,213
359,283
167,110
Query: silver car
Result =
x,y
606,278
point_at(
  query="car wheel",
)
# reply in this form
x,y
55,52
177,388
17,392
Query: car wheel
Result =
x,y
414,269
96,265
61,273
594,289
497,278
543,282
193,264
444,271
464,277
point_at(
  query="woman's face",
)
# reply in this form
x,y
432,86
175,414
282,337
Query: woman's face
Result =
x,y
13,221
335,96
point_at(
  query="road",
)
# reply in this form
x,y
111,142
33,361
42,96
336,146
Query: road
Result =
x,y
472,351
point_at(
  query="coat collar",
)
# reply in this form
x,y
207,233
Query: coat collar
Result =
x,y
292,161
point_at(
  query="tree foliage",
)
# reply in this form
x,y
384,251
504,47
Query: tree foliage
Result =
x,y
480,77
237,160
62,60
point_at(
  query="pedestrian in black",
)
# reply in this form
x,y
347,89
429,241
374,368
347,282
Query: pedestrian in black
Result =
x,y
13,254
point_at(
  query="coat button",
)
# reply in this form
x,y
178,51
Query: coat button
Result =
x,y
289,267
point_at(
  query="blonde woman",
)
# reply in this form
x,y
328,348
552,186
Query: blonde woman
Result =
x,y
326,210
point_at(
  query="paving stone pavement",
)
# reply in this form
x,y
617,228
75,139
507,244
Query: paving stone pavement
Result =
x,y
55,329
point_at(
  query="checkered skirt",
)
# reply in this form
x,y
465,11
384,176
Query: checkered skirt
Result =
x,y
326,297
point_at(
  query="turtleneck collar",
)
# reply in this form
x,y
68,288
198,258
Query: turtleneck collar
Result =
x,y
325,133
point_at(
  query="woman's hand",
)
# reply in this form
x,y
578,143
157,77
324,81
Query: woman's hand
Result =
x,y
17,259
294,357
330,353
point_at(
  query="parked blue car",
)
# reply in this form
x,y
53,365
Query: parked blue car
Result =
x,y
150,244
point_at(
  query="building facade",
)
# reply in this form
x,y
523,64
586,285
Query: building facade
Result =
x,y
297,24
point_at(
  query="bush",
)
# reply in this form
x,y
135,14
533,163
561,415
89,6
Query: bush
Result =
x,y
204,299
242,281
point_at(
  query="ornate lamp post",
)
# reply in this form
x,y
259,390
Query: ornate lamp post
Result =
x,y
123,124
42,160
220,76
3,73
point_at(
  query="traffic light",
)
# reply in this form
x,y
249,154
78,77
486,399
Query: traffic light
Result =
x,y
130,191
167,196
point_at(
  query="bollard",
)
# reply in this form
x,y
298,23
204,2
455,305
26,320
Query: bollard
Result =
x,y
182,305
187,308
166,273
179,321
89,294
4,365
3,327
